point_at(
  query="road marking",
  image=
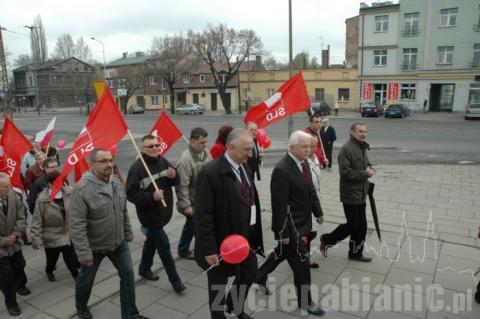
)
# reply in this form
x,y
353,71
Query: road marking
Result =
x,y
404,151
465,162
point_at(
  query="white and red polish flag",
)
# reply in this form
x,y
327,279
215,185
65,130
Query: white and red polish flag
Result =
x,y
44,137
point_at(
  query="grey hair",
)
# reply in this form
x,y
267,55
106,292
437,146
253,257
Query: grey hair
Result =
x,y
93,155
326,120
296,136
235,135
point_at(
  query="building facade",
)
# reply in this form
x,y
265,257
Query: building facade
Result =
x,y
351,42
54,84
323,84
420,52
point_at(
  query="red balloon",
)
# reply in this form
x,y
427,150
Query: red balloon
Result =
x,y
113,150
60,144
261,135
267,143
234,249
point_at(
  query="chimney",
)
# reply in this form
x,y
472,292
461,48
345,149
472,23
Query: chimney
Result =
x,y
124,55
258,62
326,57
139,54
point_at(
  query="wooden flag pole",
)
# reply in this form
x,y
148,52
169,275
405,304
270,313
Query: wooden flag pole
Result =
x,y
48,148
186,140
145,164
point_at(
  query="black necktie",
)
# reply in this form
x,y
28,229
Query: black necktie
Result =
x,y
245,186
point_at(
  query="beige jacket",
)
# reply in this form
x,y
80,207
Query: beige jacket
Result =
x,y
49,227
12,223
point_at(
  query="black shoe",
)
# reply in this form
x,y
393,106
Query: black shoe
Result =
x,y
362,259
323,247
141,317
477,296
316,310
179,286
243,315
51,277
84,314
264,290
14,311
149,275
188,255
23,291
314,265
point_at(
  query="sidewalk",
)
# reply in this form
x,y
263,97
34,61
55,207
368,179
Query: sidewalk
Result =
x,y
429,218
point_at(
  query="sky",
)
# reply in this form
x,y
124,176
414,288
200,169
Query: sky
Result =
x,y
129,26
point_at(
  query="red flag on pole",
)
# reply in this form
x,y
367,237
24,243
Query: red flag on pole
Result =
x,y
44,137
104,127
13,145
166,131
290,98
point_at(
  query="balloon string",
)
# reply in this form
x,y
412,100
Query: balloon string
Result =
x,y
221,258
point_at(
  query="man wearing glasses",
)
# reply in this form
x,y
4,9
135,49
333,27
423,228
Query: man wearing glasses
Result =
x,y
153,215
99,228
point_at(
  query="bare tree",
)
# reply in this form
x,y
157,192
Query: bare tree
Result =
x,y
303,60
66,48
224,50
172,56
21,60
38,41
131,78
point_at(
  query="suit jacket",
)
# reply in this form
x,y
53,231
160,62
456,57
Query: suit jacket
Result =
x,y
328,136
289,193
12,223
254,161
222,210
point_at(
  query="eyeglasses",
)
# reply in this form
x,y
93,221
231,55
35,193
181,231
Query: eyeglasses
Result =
x,y
151,146
104,161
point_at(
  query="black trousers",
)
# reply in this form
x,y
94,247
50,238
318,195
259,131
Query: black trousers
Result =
x,y
328,153
68,255
296,254
356,228
217,282
12,277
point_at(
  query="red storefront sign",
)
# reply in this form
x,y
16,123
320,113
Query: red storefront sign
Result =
x,y
393,91
367,91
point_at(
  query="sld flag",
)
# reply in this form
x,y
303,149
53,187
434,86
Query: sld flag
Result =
x,y
290,98
166,132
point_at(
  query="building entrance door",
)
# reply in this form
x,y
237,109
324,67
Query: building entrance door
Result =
x,y
441,97
380,93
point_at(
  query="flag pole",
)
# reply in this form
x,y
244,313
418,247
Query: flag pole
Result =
x,y
144,164
186,140
48,148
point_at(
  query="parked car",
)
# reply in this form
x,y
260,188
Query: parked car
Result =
x,y
371,109
322,108
190,108
472,111
397,110
136,109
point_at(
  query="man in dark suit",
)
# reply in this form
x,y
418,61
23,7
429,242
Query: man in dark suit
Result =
x,y
255,161
225,205
328,136
293,201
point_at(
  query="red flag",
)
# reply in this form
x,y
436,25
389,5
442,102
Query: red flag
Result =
x,y
80,168
290,98
13,145
104,127
166,131
44,137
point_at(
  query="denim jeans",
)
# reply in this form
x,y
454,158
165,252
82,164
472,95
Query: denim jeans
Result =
x,y
157,239
187,235
122,261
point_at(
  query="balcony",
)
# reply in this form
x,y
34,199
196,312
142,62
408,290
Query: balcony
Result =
x,y
474,64
410,32
408,67
476,27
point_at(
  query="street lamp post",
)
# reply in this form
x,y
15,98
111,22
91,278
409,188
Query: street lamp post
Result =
x,y
103,51
290,55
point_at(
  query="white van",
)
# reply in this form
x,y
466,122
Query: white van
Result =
x,y
472,110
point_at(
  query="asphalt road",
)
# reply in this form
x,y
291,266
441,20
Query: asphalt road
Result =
x,y
416,140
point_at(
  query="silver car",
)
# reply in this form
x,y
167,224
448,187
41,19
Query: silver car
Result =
x,y
190,108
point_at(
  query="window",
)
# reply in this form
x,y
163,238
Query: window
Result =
x,y
195,98
163,84
30,80
319,94
476,55
380,57
409,59
270,92
411,24
202,78
343,94
408,91
121,83
186,79
448,17
110,83
152,80
154,99
445,55
381,23
245,94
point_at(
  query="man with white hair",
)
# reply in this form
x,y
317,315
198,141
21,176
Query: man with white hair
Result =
x,y
294,199
12,263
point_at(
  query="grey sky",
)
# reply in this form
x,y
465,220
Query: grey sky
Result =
x,y
126,25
